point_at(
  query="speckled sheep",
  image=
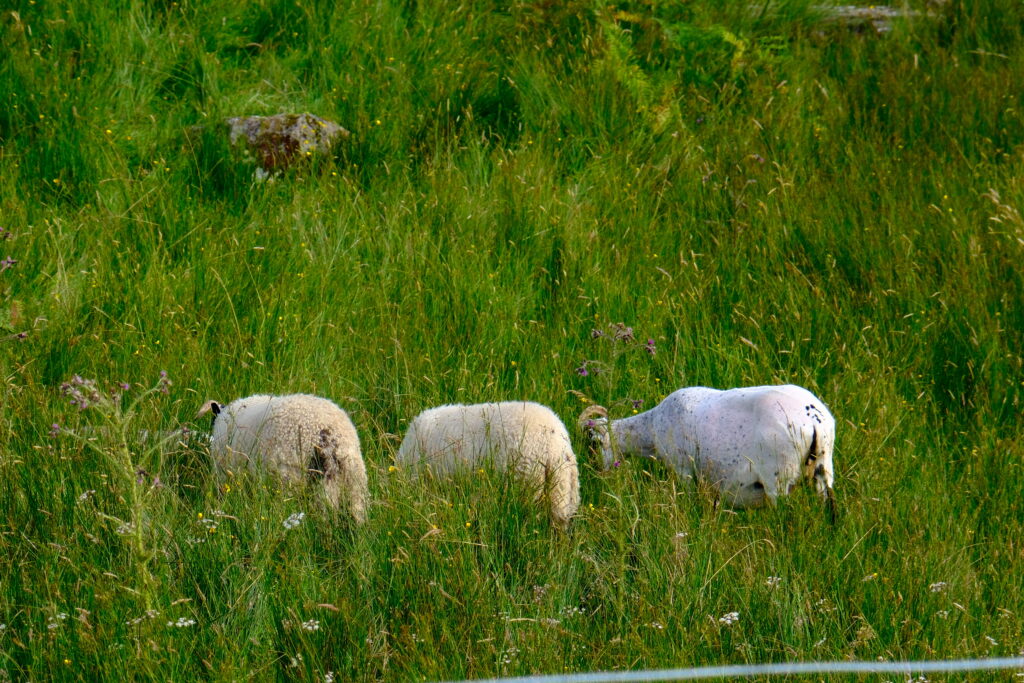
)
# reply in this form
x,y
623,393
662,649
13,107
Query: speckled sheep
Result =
x,y
752,443
299,437
518,436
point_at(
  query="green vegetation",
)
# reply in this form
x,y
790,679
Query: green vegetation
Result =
x,y
766,197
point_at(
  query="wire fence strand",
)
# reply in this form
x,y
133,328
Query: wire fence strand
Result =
x,y
776,669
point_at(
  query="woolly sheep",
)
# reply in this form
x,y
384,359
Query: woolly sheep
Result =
x,y
299,437
754,443
525,438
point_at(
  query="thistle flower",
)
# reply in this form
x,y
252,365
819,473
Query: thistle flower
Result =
x,y
623,332
7,263
582,370
83,392
649,347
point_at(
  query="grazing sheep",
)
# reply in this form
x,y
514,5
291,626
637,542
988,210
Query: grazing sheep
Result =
x,y
520,437
752,443
300,437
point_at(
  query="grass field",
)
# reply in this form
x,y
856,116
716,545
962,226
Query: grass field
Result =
x,y
767,197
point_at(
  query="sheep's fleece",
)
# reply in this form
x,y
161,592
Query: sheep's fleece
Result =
x,y
519,436
300,437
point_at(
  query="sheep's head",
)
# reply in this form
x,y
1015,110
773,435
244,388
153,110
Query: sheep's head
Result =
x,y
212,408
593,422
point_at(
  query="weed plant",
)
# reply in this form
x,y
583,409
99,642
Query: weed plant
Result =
x,y
758,195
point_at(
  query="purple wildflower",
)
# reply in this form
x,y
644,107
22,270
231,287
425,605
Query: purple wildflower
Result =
x,y
22,335
54,429
164,384
616,463
125,386
649,347
637,403
582,370
83,392
7,263
5,234
596,334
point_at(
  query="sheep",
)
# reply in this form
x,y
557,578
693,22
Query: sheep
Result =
x,y
753,443
299,437
523,438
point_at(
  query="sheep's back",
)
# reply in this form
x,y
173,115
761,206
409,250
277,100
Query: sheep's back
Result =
x,y
453,436
280,432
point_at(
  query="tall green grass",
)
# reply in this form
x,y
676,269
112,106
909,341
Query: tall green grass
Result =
x,y
766,198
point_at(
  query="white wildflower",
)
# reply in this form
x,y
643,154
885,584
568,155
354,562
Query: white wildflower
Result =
x,y
569,612
820,642
937,587
311,625
294,520
150,614
991,640
86,495
729,618
125,529
773,581
657,625
942,613
182,622
329,677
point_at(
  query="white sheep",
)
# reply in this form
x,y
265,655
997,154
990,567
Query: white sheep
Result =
x,y
520,437
299,437
753,444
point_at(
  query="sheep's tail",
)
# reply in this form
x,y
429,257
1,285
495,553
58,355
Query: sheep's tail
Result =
x,y
593,422
343,472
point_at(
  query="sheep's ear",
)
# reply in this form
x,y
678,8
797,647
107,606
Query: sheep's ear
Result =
x,y
209,407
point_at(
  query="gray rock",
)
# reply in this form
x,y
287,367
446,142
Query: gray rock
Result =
x,y
877,18
279,142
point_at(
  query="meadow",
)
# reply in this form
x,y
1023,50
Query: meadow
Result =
x,y
760,195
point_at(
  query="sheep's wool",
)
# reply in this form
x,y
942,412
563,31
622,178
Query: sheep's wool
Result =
x,y
299,437
525,438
